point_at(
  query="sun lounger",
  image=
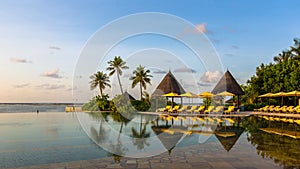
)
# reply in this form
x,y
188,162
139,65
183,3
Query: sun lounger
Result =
x,y
229,110
164,108
209,109
273,109
200,109
278,110
174,109
218,109
262,108
290,109
183,108
193,108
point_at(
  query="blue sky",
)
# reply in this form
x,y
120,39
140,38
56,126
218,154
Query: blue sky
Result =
x,y
42,40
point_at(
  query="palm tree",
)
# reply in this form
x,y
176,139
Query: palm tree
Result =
x,y
283,56
295,50
117,65
100,80
141,76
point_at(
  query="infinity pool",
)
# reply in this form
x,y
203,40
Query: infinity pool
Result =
x,y
29,139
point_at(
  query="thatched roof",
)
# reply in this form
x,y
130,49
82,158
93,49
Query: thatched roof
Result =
x,y
229,84
167,85
228,142
127,95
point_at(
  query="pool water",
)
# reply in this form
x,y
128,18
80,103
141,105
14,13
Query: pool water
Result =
x,y
53,137
44,138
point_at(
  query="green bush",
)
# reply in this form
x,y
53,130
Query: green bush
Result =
x,y
140,105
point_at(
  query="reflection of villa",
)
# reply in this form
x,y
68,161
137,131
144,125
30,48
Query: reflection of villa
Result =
x,y
228,135
169,139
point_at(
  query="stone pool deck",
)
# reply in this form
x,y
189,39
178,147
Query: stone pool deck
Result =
x,y
192,157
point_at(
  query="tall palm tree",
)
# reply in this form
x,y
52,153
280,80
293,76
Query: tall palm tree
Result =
x,y
283,56
142,76
295,50
117,65
100,80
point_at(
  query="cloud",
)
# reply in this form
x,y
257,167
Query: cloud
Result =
x,y
50,86
18,60
229,55
52,74
71,88
235,47
201,28
54,47
211,77
204,84
159,71
21,85
185,70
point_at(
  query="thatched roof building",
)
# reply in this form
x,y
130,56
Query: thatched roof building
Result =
x,y
229,84
167,85
127,95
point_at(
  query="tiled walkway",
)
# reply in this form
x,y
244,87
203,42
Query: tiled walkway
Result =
x,y
181,158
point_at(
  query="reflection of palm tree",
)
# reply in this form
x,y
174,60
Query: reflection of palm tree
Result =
x,y
140,139
101,135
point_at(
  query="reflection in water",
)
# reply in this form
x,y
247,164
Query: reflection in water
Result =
x,y
283,149
148,135
139,139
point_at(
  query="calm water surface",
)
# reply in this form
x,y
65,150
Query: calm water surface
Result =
x,y
52,137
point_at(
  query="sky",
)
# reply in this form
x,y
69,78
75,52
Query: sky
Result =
x,y
43,41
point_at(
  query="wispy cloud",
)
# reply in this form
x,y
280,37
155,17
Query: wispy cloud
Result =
x,y
235,47
204,84
198,29
52,74
54,47
202,28
19,60
71,88
185,70
159,71
210,77
229,55
50,86
21,85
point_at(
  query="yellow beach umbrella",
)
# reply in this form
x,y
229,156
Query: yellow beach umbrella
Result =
x,y
206,94
293,93
266,95
172,94
189,95
225,93
279,94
